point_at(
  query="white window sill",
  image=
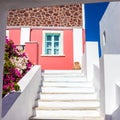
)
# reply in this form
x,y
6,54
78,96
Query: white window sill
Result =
x,y
53,55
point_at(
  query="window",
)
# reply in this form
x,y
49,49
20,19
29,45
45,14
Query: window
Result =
x,y
104,38
52,43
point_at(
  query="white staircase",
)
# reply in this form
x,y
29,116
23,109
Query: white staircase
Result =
x,y
66,95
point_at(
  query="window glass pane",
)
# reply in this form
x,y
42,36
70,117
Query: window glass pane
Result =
x,y
48,44
56,51
56,44
56,37
48,51
52,44
48,37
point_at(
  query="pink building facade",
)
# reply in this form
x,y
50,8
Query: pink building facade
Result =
x,y
52,48
53,37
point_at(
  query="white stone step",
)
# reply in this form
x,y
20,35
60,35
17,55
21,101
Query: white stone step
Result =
x,y
61,72
81,118
66,114
73,105
66,95
70,97
62,75
68,84
65,79
67,90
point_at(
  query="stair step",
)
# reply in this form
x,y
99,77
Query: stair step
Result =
x,y
82,118
51,72
74,105
68,79
67,90
71,114
53,75
61,76
67,84
65,97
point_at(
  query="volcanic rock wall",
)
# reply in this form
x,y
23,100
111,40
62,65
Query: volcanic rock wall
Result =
x,y
59,16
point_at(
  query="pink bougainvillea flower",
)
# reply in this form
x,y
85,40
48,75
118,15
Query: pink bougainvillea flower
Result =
x,y
16,65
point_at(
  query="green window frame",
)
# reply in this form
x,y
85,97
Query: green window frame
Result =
x,y
52,43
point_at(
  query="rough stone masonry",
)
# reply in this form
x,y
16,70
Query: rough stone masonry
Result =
x,y
58,16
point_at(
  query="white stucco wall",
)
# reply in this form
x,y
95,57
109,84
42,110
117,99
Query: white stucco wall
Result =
x,y
112,76
21,108
92,58
110,61
102,86
84,66
110,86
83,15
25,35
110,25
77,45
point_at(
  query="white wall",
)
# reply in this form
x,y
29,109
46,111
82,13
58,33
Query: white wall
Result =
x,y
111,76
116,114
21,108
77,45
83,15
110,61
110,24
102,86
110,86
84,66
25,35
92,58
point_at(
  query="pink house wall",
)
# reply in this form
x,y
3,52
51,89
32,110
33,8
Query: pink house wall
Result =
x,y
34,49
31,48
55,62
14,34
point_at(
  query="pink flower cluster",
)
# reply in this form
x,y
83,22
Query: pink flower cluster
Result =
x,y
16,65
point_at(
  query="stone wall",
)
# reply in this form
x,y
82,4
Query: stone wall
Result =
x,y
63,16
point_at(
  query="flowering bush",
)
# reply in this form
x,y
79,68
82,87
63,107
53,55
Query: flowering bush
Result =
x,y
16,64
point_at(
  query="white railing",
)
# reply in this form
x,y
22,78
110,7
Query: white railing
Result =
x,y
18,105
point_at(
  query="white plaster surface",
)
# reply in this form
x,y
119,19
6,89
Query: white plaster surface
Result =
x,y
67,114
102,86
110,25
68,84
84,63
68,96
77,45
116,114
111,77
83,15
109,62
92,58
67,90
25,35
69,104
21,109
